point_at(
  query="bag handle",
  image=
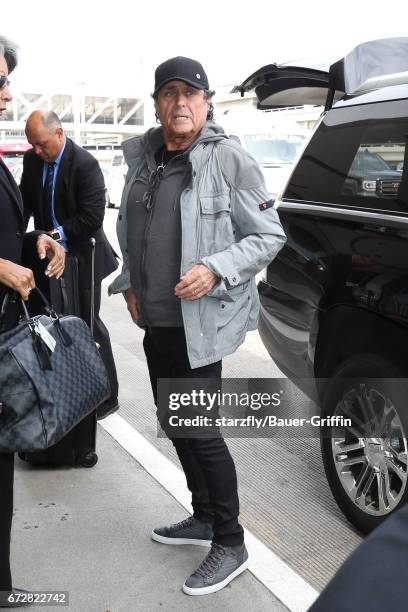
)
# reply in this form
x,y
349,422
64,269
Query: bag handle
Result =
x,y
7,299
39,346
65,337
47,306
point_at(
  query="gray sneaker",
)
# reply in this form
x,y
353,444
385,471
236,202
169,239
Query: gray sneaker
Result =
x,y
189,531
221,565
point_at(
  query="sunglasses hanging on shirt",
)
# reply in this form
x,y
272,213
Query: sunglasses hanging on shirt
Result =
x,y
4,82
154,180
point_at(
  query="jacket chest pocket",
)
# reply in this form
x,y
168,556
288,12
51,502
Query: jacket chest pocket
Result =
x,y
216,232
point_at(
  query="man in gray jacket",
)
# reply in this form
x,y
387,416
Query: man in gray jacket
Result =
x,y
195,225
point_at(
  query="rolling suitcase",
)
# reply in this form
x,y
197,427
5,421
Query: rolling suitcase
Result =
x,y
77,448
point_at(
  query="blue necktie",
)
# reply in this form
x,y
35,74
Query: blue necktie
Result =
x,y
47,197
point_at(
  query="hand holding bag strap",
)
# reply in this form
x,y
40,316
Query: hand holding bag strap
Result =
x,y
7,300
12,296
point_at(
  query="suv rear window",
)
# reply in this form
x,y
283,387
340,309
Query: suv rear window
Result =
x,y
357,157
269,149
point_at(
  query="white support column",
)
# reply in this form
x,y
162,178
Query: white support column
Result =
x,y
115,110
15,108
77,101
146,87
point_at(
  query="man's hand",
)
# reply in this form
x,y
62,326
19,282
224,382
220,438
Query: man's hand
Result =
x,y
196,282
16,277
131,302
47,247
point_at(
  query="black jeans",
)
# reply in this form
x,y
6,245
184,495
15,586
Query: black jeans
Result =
x,y
6,515
207,463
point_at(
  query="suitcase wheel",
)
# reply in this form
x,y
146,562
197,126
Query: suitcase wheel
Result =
x,y
88,460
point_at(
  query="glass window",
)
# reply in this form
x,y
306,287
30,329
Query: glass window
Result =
x,y
357,157
125,109
270,149
96,105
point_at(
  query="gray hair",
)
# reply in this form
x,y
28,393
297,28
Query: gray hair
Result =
x,y
8,50
50,119
208,94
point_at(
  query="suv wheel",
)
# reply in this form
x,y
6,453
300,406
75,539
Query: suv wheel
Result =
x,y
366,462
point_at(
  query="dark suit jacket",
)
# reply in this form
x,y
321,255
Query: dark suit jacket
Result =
x,y
374,577
13,243
79,203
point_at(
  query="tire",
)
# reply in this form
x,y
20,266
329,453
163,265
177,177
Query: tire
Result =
x,y
88,461
366,464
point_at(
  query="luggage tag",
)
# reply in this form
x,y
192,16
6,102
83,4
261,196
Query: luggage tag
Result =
x,y
46,336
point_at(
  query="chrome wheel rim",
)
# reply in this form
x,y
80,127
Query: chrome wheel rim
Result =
x,y
371,454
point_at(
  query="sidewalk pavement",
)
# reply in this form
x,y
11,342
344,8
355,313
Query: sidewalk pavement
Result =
x,y
87,531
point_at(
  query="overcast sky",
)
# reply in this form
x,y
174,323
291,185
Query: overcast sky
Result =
x,y
105,43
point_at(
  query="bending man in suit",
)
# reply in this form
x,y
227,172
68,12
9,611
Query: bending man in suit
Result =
x,y
63,188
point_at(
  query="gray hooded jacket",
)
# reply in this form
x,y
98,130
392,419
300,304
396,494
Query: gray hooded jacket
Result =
x,y
228,223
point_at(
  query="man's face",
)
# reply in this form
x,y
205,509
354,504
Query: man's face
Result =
x,y
182,110
46,141
5,95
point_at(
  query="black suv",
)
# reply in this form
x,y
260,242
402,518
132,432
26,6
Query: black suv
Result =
x,y
334,303
370,175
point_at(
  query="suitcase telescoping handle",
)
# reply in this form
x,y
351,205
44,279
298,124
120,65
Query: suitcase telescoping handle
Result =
x,y
92,317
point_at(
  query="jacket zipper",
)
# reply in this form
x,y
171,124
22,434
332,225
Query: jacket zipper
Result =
x,y
143,275
143,262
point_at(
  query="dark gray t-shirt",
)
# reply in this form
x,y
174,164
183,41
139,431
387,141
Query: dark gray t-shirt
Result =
x,y
154,238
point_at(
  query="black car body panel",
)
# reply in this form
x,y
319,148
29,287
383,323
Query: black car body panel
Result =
x,y
345,252
338,267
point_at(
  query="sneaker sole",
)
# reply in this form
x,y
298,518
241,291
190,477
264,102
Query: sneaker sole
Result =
x,y
179,541
216,587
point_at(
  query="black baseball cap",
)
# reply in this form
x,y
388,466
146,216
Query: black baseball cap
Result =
x,y
180,69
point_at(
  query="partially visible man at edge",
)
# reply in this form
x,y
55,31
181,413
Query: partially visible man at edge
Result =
x,y
195,226
14,276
